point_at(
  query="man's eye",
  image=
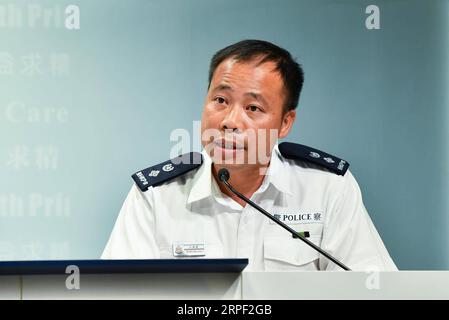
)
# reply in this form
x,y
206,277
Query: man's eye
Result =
x,y
220,100
253,108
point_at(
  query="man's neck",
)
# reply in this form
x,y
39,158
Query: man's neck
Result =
x,y
246,180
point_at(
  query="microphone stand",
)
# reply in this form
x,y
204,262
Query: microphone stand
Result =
x,y
223,176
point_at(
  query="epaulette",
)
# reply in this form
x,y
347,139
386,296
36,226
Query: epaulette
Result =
x,y
168,170
304,153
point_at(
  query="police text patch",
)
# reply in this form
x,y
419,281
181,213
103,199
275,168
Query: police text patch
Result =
x,y
292,216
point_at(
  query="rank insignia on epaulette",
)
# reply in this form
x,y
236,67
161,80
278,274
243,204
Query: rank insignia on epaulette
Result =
x,y
166,171
304,153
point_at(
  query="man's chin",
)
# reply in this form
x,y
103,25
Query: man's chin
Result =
x,y
233,157
233,164
229,166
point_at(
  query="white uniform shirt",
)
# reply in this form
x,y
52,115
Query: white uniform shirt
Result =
x,y
192,209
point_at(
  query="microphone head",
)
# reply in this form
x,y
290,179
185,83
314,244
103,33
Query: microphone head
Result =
x,y
223,174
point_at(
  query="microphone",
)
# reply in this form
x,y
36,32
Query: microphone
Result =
x,y
223,176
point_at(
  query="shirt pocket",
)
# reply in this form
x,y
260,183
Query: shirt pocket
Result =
x,y
290,254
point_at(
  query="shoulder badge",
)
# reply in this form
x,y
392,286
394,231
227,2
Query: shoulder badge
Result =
x,y
168,170
300,152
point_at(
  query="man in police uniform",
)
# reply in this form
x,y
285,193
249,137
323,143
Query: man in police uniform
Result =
x,y
180,209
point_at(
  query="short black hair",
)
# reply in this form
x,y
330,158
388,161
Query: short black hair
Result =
x,y
247,50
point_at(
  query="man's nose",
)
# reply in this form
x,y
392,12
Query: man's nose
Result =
x,y
233,119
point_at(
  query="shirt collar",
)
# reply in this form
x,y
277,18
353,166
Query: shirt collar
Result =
x,y
277,175
202,181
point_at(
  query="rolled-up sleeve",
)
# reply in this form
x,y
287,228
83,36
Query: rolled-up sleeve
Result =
x,y
350,235
133,235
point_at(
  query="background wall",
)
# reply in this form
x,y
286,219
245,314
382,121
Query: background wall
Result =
x,y
80,111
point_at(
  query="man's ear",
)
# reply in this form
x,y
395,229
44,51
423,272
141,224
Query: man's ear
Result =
x,y
287,123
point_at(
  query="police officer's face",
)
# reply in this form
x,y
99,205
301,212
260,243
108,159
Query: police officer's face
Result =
x,y
244,113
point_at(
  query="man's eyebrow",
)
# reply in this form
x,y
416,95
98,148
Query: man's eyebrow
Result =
x,y
256,96
222,87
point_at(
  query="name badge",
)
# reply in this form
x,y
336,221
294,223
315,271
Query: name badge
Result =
x,y
292,216
188,249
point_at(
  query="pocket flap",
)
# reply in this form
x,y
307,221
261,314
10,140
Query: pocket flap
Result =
x,y
292,251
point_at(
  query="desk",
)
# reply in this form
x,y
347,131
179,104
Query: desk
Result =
x,y
229,284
